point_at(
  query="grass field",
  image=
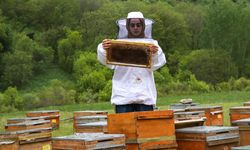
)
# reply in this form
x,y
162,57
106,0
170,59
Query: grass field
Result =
x,y
225,99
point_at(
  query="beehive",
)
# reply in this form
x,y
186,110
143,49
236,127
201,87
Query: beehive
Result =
x,y
246,103
237,113
28,125
189,115
52,115
182,106
92,127
213,114
207,138
89,141
36,139
78,114
244,128
145,130
26,119
189,123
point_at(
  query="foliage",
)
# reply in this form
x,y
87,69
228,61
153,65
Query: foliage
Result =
x,y
210,66
56,94
30,101
17,68
67,48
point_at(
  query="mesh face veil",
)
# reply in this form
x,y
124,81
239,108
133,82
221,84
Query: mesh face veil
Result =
x,y
123,32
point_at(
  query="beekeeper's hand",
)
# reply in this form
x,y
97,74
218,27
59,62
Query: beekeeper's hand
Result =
x,y
106,43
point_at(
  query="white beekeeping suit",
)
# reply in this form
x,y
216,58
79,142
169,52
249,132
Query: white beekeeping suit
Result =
x,y
133,85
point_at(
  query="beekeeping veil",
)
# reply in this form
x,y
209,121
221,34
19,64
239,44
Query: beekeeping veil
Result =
x,y
122,30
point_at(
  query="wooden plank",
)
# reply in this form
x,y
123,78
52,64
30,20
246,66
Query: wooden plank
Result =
x,y
89,141
28,125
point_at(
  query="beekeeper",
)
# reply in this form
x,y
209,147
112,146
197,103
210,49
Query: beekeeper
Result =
x,y
133,88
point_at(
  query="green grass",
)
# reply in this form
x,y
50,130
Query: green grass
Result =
x,y
225,99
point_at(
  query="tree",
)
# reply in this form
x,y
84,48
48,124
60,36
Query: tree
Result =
x,y
211,66
17,68
67,48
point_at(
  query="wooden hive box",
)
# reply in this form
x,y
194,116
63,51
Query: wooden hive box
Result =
x,y
52,115
92,127
213,114
27,139
182,106
8,145
246,103
87,113
244,127
207,138
145,130
28,125
89,141
19,120
88,119
241,148
237,113
189,115
189,123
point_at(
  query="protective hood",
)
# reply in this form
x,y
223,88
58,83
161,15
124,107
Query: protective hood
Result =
x,y
123,32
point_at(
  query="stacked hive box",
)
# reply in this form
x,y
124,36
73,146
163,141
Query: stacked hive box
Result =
x,y
35,139
92,127
207,138
52,115
83,117
244,127
28,125
213,114
189,119
89,141
182,106
19,120
145,130
241,112
246,103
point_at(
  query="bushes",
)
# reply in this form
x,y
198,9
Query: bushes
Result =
x,y
56,94
211,66
93,79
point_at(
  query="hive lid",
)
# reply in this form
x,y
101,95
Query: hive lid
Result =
x,y
206,129
100,123
89,137
92,117
26,123
189,112
247,120
43,111
25,131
